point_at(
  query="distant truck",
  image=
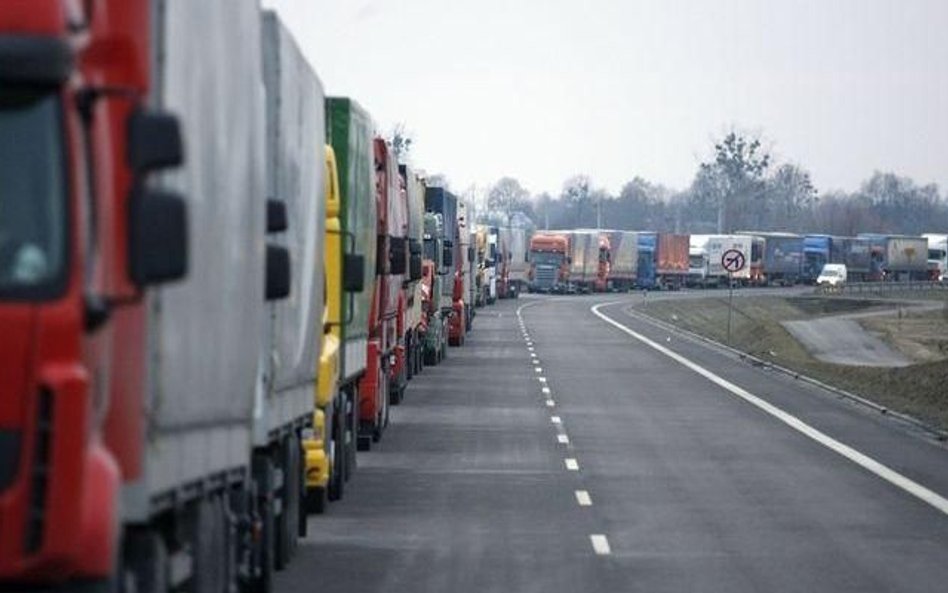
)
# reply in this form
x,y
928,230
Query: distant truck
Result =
x,y
937,256
349,132
782,257
705,267
491,264
480,254
435,320
549,262
514,264
819,250
461,318
445,204
589,260
623,259
414,186
897,257
662,260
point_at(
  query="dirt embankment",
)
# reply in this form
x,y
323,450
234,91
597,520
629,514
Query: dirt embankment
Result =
x,y
920,389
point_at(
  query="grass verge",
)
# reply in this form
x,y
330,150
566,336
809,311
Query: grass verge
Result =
x,y
919,390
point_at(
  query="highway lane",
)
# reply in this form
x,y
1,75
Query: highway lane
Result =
x,y
699,491
466,492
595,463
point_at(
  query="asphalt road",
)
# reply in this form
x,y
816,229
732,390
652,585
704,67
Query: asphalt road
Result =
x,y
633,473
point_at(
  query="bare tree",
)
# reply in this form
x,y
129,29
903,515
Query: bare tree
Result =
x,y
736,175
508,197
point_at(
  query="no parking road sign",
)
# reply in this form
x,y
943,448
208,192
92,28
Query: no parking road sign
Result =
x,y
733,260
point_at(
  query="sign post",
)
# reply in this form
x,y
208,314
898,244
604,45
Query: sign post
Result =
x,y
733,261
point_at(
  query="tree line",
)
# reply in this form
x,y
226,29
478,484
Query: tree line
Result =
x,y
740,187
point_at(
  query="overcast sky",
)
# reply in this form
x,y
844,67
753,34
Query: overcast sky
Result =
x,y
544,89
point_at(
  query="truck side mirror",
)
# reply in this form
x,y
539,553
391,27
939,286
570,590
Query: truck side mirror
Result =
x,y
353,275
414,260
154,141
397,256
278,273
447,256
34,59
158,237
276,216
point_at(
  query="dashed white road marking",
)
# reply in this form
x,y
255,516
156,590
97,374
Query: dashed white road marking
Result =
x,y
556,420
571,464
563,439
860,459
583,499
541,379
530,348
538,369
550,403
600,544
546,390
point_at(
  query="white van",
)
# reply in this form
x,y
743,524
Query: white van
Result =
x,y
832,275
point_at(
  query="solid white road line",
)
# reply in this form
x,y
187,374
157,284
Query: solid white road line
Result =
x,y
563,439
583,499
571,464
556,420
860,459
600,544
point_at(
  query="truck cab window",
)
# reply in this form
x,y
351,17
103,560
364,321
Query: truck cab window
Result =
x,y
32,194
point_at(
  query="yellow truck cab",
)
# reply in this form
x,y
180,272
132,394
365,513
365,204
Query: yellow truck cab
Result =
x,y
324,479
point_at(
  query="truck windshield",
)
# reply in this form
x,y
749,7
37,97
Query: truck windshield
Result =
x,y
545,259
32,195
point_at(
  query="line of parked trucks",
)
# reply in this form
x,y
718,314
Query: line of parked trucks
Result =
x,y
214,282
589,260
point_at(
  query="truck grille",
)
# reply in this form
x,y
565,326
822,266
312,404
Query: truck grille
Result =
x,y
39,475
545,277
9,456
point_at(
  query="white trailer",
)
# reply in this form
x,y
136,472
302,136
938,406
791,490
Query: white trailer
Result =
x,y
937,256
704,255
286,381
229,374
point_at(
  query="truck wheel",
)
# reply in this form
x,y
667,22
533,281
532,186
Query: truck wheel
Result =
x,y
288,521
265,546
352,433
210,556
302,517
145,562
338,454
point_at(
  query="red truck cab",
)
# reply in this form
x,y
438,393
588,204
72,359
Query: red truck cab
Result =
x,y
75,254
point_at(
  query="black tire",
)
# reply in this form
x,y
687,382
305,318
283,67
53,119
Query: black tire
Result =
x,y
337,477
145,562
352,434
317,499
296,492
265,547
302,520
210,555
